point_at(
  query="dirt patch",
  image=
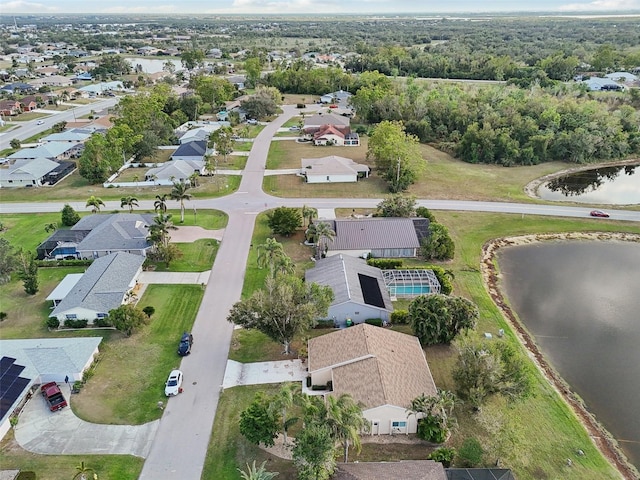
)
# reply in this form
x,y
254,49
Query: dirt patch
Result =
x,y
600,436
531,189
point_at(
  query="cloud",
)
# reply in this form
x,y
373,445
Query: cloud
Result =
x,y
19,6
601,5
282,6
160,9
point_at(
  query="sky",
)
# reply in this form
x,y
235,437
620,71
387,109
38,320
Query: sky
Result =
x,y
256,7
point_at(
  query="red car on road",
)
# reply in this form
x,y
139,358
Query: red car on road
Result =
x,y
599,213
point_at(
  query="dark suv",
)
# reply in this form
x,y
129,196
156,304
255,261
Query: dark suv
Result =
x,y
185,344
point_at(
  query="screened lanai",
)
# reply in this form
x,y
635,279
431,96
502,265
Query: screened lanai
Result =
x,y
410,283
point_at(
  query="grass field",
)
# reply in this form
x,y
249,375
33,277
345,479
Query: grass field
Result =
x,y
197,256
522,433
129,378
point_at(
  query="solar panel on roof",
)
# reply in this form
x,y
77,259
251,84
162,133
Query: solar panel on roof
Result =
x,y
371,290
11,384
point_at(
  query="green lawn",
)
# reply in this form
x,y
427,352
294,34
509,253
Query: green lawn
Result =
x,y
27,230
197,256
242,146
133,370
63,467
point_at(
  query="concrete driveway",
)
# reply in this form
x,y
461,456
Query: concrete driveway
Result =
x,y
191,234
62,433
259,373
195,278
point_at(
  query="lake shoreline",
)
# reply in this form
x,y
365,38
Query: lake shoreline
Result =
x,y
492,279
531,188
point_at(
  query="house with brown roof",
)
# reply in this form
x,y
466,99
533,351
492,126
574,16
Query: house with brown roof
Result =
x,y
404,470
382,369
313,123
335,135
10,107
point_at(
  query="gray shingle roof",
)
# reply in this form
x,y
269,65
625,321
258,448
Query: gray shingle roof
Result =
x,y
332,165
104,284
404,470
340,272
326,119
195,149
119,231
33,169
374,233
48,150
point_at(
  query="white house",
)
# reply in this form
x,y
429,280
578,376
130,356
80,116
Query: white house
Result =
x,y
359,291
340,97
103,287
598,84
118,232
27,173
175,171
382,369
333,169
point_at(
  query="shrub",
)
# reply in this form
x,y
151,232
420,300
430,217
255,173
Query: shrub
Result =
x,y
444,455
69,216
63,263
431,430
53,322
385,263
26,476
374,321
444,278
149,310
76,323
3,316
325,324
102,322
400,317
470,453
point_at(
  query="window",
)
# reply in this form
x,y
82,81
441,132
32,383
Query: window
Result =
x,y
102,315
399,424
71,316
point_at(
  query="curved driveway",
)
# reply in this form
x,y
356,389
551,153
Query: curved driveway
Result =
x,y
180,445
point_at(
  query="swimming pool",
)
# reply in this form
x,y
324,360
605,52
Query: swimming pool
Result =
x,y
408,290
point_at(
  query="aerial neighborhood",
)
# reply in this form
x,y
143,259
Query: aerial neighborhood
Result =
x,y
246,247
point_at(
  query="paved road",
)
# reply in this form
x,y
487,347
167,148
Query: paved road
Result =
x,y
30,128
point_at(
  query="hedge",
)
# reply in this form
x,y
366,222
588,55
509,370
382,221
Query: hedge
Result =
x,y
374,321
325,324
400,317
385,263
63,263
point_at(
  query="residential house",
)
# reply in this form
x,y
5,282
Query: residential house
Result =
x,y
195,134
10,108
175,171
100,88
26,363
118,232
622,77
52,81
16,88
28,104
380,237
602,84
83,76
103,287
333,169
195,150
340,98
61,244
74,135
50,150
313,123
403,470
359,291
381,369
335,135
30,172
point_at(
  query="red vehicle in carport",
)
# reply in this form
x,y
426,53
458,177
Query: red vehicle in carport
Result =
x,y
52,394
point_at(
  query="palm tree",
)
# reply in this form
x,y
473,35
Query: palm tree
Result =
x,y
179,194
193,179
284,266
129,202
269,254
308,213
322,233
84,473
345,420
257,473
159,229
95,203
160,205
439,406
283,401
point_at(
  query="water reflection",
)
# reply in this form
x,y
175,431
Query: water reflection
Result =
x,y
581,302
606,185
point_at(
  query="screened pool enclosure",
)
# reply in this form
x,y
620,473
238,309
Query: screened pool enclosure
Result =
x,y
410,283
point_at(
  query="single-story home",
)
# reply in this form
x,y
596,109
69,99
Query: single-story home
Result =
x,y
333,169
624,77
31,362
50,150
10,107
74,135
381,369
359,291
195,150
52,81
17,87
195,134
598,84
380,237
404,470
103,287
313,123
175,171
340,98
99,88
335,135
61,244
27,172
116,232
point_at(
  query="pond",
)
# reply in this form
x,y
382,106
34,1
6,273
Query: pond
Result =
x,y
618,185
580,301
153,65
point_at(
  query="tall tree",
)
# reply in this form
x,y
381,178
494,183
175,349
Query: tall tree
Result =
x,y
396,155
269,254
283,401
397,205
179,194
95,203
438,318
345,421
284,220
284,308
69,217
28,270
160,205
321,234
221,141
128,319
313,453
438,244
129,202
308,214
8,260
159,229
253,67
259,423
